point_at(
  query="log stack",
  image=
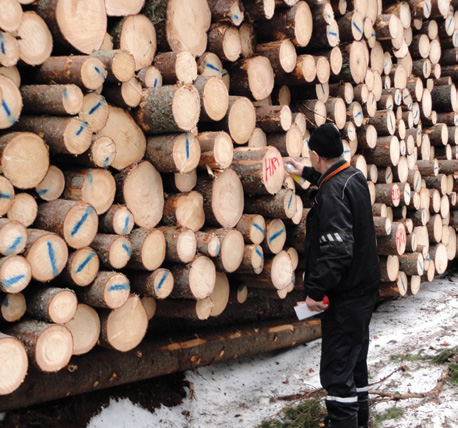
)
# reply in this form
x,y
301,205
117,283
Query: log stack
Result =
x,y
142,147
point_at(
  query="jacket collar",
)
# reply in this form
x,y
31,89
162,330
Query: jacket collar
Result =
x,y
333,170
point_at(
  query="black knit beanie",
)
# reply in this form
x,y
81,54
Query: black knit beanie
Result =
x,y
326,141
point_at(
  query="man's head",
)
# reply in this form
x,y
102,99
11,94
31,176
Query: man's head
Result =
x,y
325,146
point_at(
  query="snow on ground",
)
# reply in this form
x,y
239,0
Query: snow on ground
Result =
x,y
238,393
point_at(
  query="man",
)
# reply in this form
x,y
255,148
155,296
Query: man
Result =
x,y
341,263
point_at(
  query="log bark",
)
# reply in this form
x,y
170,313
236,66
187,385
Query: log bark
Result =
x,y
158,284
113,251
119,64
184,210
95,111
181,244
216,150
81,268
85,329
214,98
148,249
231,248
252,227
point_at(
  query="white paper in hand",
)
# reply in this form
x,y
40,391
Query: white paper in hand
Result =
x,y
303,312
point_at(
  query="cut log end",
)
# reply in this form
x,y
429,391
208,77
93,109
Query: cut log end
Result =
x,y
13,364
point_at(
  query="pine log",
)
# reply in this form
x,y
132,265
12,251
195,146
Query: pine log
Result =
x,y
260,169
24,209
114,251
240,119
48,346
52,185
314,111
275,236
396,288
119,64
76,222
208,243
214,97
259,9
282,205
109,290
85,329
354,65
14,364
81,268
231,247
389,267
126,94
149,303
194,280
252,77
12,307
63,134
150,77
139,187
129,140
52,304
411,263
13,237
158,284
438,254
225,41
94,111
223,198
118,220
394,243
169,109
385,153
176,67
9,55
136,34
184,210
181,244
15,273
216,150
11,102
253,259
294,23
11,15
252,227
148,249
187,25
174,152
281,54
125,327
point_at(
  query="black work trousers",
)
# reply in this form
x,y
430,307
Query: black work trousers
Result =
x,y
345,343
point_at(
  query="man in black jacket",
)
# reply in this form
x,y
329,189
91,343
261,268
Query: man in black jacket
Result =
x,y
340,262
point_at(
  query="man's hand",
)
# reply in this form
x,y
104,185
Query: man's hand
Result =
x,y
294,167
313,305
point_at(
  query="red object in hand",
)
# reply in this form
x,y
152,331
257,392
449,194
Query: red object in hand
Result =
x,y
326,300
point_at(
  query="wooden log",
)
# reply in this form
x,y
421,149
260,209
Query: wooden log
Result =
x,y
52,304
216,150
275,236
24,209
259,9
158,284
76,222
253,259
208,243
294,23
94,111
385,153
214,97
150,77
109,290
411,263
394,243
85,329
252,227
176,67
187,26
273,118
81,268
223,198
186,309
139,187
252,77
389,268
184,210
225,41
282,205
444,98
119,64
277,273
14,363
9,55
52,99
12,307
125,327
397,288
194,280
130,144
11,102
15,273
13,237
149,303
240,119
438,254
260,169
281,54
48,346
148,249
174,152
47,254
169,109
96,187
118,220
230,251
52,185
62,134
126,94
113,251
248,341
11,16
181,244
143,45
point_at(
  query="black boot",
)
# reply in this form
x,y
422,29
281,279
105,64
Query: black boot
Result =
x,y
363,414
347,423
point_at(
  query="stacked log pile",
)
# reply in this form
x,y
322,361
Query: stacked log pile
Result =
x,y
142,147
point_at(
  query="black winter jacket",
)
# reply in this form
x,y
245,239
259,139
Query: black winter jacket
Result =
x,y
340,246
